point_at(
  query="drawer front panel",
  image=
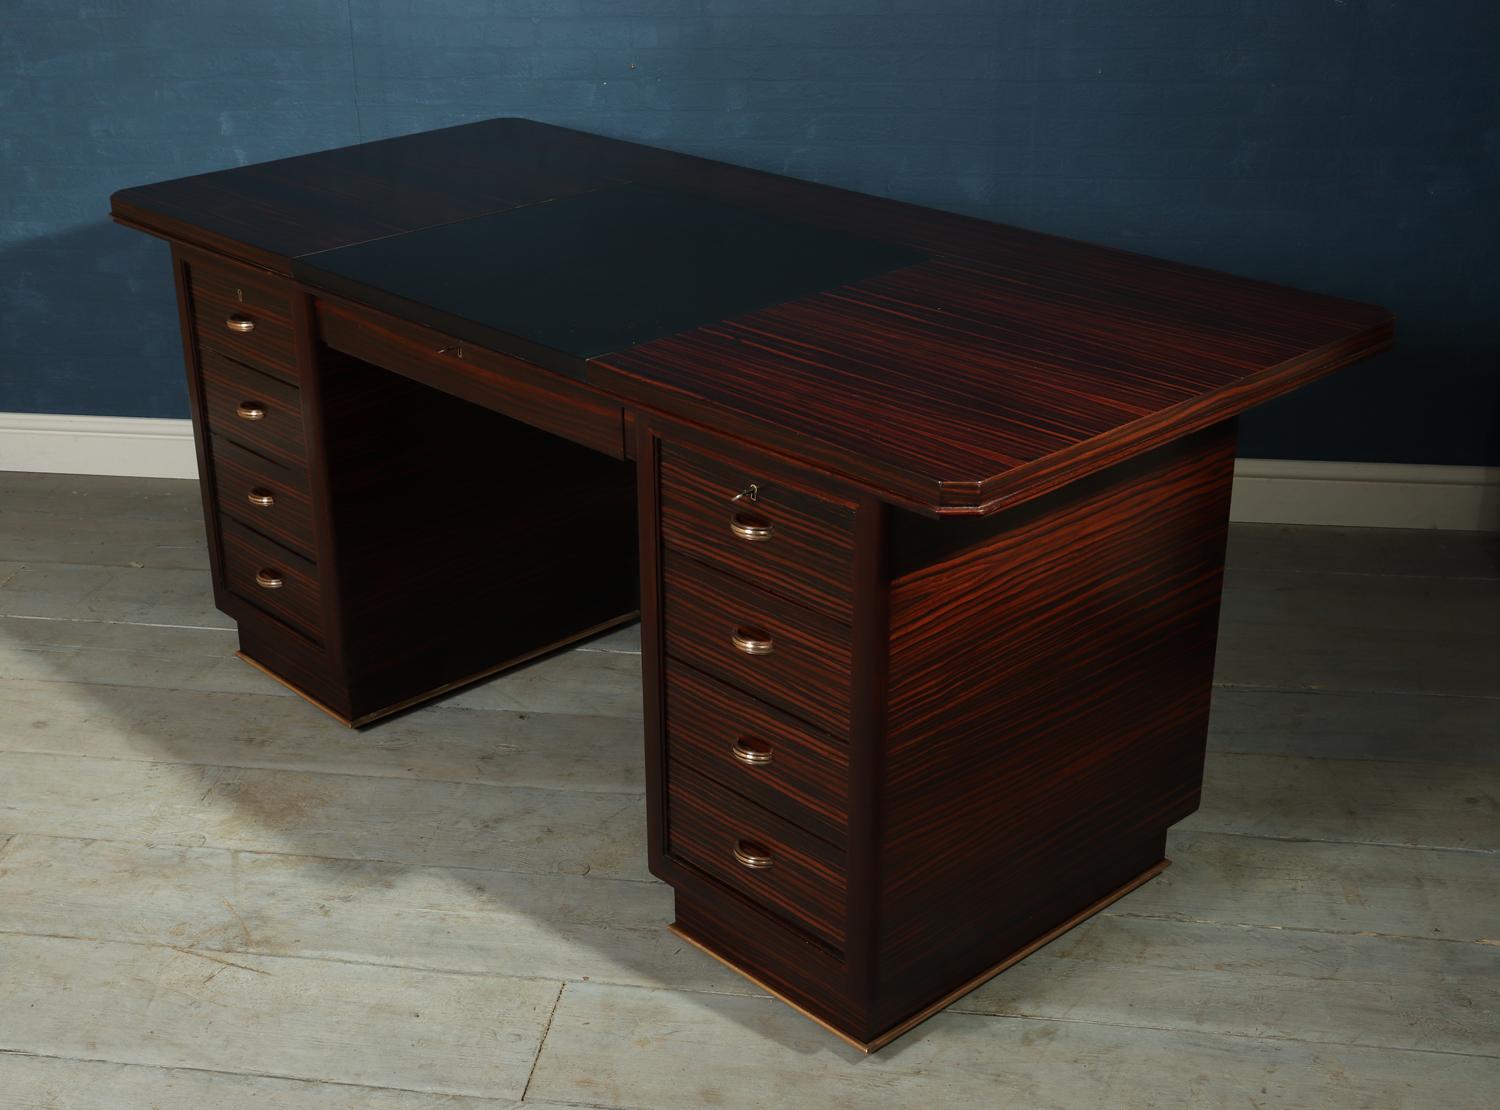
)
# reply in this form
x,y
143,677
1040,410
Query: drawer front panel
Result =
x,y
770,758
761,644
271,499
245,316
790,541
253,410
252,563
528,393
797,876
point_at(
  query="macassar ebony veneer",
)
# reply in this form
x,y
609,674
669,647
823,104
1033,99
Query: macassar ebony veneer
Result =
x,y
923,516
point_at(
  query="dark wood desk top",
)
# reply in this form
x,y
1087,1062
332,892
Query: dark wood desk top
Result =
x,y
1000,364
568,280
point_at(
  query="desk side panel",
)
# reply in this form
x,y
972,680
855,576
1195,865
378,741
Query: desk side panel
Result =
x,y
1050,675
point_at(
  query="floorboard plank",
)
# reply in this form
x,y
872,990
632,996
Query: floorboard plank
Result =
x,y
547,926
429,824
556,751
1337,888
1130,970
106,540
588,683
124,594
91,496
626,639
660,1050
1344,632
1423,553
1425,607
53,1083
1259,982
1427,805
257,1015
1379,726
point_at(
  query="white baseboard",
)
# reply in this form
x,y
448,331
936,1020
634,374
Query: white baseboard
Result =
x,y
1268,491
132,446
1366,495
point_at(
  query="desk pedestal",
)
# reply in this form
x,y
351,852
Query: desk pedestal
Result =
x,y
1025,715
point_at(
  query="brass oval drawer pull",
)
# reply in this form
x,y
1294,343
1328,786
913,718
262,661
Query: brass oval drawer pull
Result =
x,y
268,579
262,497
250,410
752,641
239,323
752,856
757,756
747,526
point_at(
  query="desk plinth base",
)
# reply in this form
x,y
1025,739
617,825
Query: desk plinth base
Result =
x,y
943,1002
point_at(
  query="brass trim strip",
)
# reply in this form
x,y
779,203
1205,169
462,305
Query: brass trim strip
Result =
x,y
952,996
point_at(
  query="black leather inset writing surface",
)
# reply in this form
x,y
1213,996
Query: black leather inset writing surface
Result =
x,y
596,272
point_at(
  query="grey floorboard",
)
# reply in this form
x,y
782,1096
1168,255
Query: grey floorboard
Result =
x,y
1336,888
96,653
115,593
560,751
72,497
212,895
440,824
259,1015
1371,551
1385,633
1375,725
663,1050
54,1083
475,921
1328,988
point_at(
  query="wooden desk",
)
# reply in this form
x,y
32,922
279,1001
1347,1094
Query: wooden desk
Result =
x,y
923,516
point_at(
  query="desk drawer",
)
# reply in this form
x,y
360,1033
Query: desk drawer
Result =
x,y
789,541
244,315
252,409
271,499
757,642
530,394
751,850
272,578
792,770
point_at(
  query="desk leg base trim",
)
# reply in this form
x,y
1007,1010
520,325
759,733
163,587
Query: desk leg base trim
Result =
x,y
908,1024
708,949
294,688
446,688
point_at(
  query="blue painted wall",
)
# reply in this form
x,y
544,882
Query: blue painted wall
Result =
x,y
1349,146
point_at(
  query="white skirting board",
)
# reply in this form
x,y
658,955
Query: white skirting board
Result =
x,y
1268,491
1366,495
132,446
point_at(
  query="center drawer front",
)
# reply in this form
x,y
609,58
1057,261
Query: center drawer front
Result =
x,y
248,407
271,499
801,662
788,540
528,393
252,562
767,756
245,315
805,878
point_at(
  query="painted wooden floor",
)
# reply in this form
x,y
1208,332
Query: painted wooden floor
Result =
x,y
211,896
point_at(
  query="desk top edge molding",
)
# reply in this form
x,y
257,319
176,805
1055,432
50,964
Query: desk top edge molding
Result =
x,y
945,463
